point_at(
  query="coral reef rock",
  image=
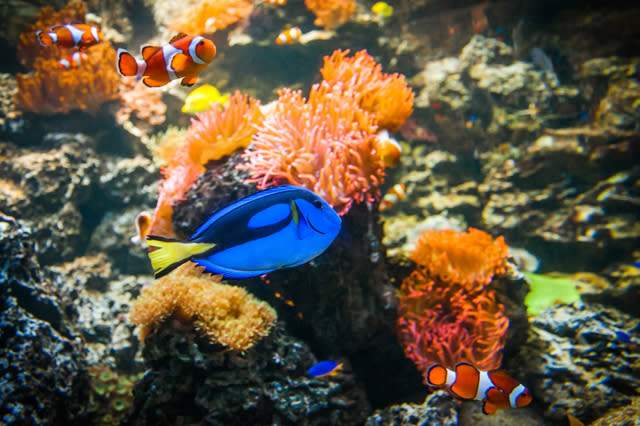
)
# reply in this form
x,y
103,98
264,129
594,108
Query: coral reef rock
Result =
x,y
579,365
438,408
44,373
267,385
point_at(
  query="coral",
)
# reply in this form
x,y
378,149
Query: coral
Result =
x,y
207,16
467,258
325,144
386,96
216,133
446,315
145,103
51,90
438,408
29,49
165,145
43,362
331,14
547,291
111,394
226,314
578,342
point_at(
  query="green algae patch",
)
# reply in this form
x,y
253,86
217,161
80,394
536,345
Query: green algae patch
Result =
x,y
546,291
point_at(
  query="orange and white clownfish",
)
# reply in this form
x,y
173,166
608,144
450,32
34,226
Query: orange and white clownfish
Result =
x,y
143,226
391,197
495,388
80,36
183,57
276,2
289,36
72,61
388,148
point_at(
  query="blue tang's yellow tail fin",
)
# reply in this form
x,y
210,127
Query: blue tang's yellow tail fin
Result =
x,y
170,253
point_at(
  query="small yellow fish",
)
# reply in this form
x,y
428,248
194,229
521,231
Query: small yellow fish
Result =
x,y
200,99
383,9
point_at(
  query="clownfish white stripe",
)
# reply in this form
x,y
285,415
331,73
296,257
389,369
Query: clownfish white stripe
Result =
x,y
451,377
76,34
515,393
168,52
54,37
192,50
94,33
484,383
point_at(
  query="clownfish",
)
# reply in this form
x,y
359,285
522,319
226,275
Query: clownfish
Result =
x,y
392,196
79,36
72,61
276,2
289,36
495,388
388,148
183,57
276,228
143,226
325,368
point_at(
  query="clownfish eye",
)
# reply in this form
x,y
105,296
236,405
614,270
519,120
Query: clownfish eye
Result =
x,y
201,43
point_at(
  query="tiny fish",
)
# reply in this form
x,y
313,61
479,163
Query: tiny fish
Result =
x,y
143,226
382,9
472,119
182,58
200,99
388,148
289,36
391,197
72,61
276,228
325,368
495,388
80,36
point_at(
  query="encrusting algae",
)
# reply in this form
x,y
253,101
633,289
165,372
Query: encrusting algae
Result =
x,y
226,314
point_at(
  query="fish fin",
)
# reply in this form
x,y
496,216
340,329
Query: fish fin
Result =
x,y
178,62
149,82
126,64
44,38
228,272
170,253
467,381
488,407
177,37
303,230
147,51
436,375
189,80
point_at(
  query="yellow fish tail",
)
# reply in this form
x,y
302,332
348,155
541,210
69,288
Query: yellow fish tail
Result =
x,y
170,253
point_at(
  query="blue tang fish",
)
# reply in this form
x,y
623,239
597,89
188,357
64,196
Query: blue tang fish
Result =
x,y
325,368
277,228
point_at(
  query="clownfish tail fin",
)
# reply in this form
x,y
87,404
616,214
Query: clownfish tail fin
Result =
x,y
170,253
436,375
128,66
44,38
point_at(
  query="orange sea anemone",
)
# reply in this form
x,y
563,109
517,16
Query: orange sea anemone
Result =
x,y
207,16
331,13
447,312
469,258
386,96
51,90
216,133
326,144
441,323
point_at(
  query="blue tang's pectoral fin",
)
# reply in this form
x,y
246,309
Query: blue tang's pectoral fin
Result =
x,y
303,230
